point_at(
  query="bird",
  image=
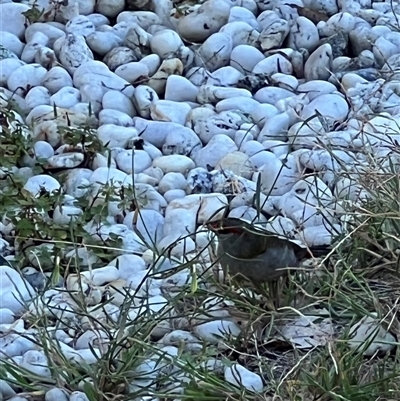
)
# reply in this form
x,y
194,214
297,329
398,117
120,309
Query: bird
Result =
x,y
247,252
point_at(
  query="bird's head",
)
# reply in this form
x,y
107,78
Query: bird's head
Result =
x,y
227,226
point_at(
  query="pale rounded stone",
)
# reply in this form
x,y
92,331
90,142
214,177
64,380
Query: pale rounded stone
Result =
x,y
67,160
244,104
8,97
302,205
116,136
38,41
56,394
12,43
262,113
36,113
143,98
15,290
218,147
92,94
277,178
51,31
182,215
273,64
168,110
173,194
240,376
174,163
133,71
237,162
7,316
275,128
165,43
55,79
110,8
97,73
111,176
197,75
119,56
328,7
274,34
159,79
225,76
212,94
242,137
172,181
137,39
131,161
319,235
241,33
285,81
37,96
225,123
65,97
244,14
80,25
153,152
65,214
182,142
100,160
155,132
330,106
318,65
369,336
215,52
303,35
152,62
96,19
342,21
206,20
383,49
267,17
43,150
128,265
7,67
46,57
278,148
180,89
144,19
103,42
316,88
118,101
90,338
212,331
40,182
11,18
115,117
77,182
244,58
26,77
74,52
84,108
272,95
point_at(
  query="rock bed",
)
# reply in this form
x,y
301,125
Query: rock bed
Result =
x,y
270,106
